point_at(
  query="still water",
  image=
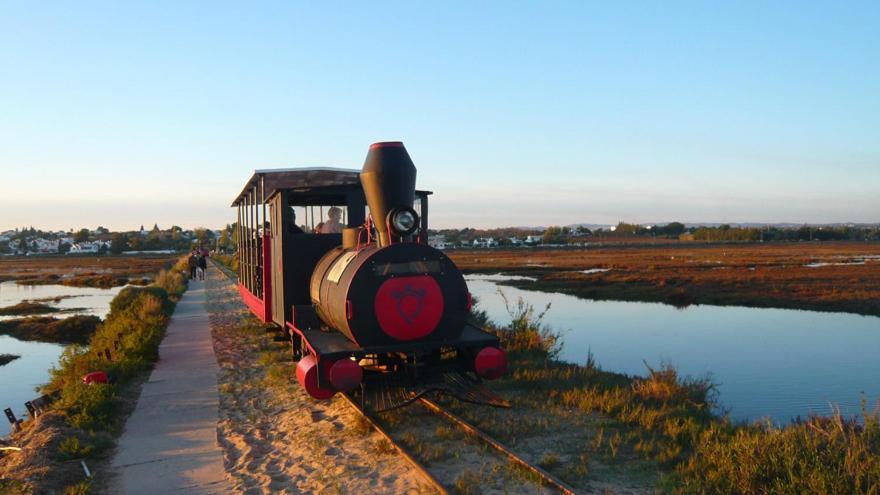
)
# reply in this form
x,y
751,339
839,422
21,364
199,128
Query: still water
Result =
x,y
71,300
19,378
772,363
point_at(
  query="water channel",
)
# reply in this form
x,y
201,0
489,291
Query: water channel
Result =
x,y
768,363
19,378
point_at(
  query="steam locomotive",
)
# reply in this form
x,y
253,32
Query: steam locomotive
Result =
x,y
366,304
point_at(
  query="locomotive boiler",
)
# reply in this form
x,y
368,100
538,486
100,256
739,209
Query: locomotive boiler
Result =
x,y
394,290
373,308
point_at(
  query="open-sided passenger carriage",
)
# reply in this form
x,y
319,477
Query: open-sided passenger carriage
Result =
x,y
372,309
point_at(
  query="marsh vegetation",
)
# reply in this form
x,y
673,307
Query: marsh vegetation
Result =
x,y
72,330
828,276
85,418
84,271
667,422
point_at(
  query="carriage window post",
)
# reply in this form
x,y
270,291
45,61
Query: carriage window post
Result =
x,y
253,240
244,241
238,241
247,242
255,233
250,237
263,224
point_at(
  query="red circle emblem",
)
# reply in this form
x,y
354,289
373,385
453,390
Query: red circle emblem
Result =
x,y
409,308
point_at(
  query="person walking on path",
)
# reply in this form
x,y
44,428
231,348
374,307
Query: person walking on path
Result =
x,y
193,263
203,265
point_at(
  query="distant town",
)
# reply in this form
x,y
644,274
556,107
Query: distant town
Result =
x,y
30,241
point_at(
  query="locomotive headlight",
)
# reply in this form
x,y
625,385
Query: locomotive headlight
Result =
x,y
404,221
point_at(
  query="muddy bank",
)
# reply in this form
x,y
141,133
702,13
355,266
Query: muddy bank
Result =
x,y
84,280
8,358
48,461
73,330
26,308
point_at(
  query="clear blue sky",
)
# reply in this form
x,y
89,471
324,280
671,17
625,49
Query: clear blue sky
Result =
x,y
516,113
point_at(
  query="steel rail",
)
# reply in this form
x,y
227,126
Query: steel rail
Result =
x,y
399,448
476,432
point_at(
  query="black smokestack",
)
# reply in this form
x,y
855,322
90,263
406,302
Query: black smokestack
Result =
x,y
389,181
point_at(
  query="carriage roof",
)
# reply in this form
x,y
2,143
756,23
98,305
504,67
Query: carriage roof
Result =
x,y
288,178
277,179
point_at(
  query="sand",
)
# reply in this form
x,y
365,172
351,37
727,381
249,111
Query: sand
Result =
x,y
275,438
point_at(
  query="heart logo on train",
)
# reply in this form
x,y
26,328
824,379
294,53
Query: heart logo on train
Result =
x,y
409,308
409,303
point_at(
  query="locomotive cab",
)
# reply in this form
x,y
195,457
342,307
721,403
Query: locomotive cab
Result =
x,y
367,305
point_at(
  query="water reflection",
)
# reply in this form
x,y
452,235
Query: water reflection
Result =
x,y
768,362
19,378
71,300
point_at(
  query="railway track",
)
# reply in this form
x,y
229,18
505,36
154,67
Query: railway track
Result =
x,y
470,430
473,431
463,425
226,271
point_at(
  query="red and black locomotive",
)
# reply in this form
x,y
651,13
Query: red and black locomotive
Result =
x,y
338,259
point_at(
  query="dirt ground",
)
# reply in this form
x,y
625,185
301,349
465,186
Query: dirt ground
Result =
x,y
826,276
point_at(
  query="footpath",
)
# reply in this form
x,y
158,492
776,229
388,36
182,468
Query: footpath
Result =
x,y
169,444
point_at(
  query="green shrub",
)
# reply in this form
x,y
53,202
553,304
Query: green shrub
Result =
x,y
72,448
81,488
526,332
13,487
90,407
125,345
128,297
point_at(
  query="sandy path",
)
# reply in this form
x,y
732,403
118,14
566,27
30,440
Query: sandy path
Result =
x,y
276,439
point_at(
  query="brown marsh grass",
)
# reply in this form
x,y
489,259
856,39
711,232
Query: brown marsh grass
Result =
x,y
757,275
84,271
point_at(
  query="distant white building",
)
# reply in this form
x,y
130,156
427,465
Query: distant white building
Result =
x,y
515,241
485,242
88,247
534,239
437,241
44,246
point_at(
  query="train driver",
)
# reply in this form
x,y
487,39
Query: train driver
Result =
x,y
332,225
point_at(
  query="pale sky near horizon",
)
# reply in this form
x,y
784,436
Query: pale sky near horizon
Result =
x,y
515,113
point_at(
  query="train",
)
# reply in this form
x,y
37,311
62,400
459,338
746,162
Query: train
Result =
x,y
337,261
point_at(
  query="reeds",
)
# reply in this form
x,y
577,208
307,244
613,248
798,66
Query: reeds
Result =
x,y
669,419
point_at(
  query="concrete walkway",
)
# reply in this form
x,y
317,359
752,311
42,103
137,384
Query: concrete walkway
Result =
x,y
170,441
